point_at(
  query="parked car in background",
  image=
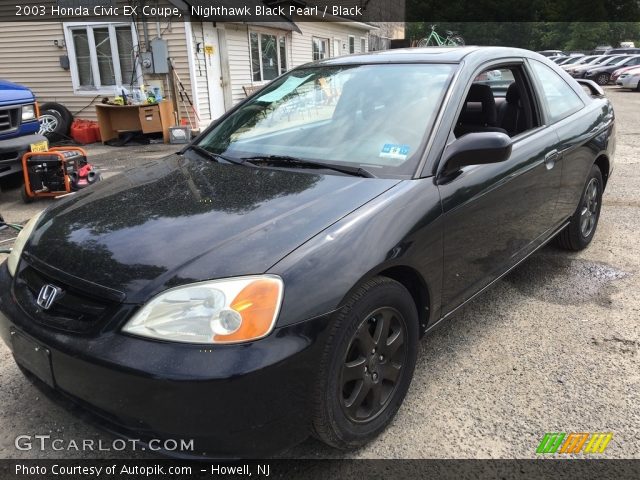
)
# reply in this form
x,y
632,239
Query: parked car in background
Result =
x,y
579,71
602,74
312,245
552,53
18,126
616,73
595,60
558,59
580,61
630,79
574,60
627,51
601,49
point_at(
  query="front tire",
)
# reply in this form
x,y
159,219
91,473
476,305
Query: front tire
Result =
x,y
367,365
582,226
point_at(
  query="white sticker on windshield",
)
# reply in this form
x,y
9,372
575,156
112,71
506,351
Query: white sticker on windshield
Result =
x,y
289,85
393,150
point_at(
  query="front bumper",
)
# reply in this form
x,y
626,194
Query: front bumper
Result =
x,y
12,150
232,400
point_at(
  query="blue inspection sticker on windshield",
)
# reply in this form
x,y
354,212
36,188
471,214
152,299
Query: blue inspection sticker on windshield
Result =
x,y
393,150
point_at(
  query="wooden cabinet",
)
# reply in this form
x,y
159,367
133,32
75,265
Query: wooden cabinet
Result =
x,y
116,119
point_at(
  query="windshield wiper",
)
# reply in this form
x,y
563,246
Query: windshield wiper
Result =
x,y
212,156
293,161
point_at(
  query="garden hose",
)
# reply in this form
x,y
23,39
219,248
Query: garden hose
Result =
x,y
15,226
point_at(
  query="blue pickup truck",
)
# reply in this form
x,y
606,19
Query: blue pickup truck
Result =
x,y
18,126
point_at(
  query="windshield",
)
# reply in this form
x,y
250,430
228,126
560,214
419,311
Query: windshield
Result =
x,y
601,60
374,117
614,61
573,60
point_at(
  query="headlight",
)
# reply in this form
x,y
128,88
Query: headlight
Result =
x,y
28,112
219,311
21,241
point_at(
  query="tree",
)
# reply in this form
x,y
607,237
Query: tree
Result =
x,y
535,35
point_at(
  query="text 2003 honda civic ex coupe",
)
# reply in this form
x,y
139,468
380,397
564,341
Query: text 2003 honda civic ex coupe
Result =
x,y
273,279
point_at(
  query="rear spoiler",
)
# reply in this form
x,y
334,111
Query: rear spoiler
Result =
x,y
596,90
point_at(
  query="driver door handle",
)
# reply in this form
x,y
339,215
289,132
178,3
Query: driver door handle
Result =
x,y
551,158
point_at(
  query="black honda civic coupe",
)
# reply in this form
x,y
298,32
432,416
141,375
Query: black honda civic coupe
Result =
x,y
272,280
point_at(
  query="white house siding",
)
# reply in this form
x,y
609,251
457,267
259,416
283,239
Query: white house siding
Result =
x,y
175,36
301,47
200,71
237,37
29,57
33,60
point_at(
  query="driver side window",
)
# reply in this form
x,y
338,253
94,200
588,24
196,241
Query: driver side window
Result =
x,y
498,100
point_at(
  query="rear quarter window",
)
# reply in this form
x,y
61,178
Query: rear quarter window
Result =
x,y
560,99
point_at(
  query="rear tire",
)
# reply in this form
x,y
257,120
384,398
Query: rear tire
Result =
x,y
458,40
582,226
367,365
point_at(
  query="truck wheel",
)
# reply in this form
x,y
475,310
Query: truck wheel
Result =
x,y
55,121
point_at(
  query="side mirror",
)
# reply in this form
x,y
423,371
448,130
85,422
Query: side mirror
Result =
x,y
476,149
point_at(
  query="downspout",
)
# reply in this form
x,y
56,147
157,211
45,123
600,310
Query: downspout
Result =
x,y
192,66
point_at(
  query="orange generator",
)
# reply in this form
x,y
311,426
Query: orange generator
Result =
x,y
54,172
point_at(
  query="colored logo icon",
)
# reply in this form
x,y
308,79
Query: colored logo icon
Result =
x,y
574,443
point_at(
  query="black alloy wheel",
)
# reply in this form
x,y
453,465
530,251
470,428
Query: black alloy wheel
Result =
x,y
367,364
373,365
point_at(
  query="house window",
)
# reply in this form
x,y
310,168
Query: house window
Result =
x,y
352,44
102,56
268,55
320,48
363,45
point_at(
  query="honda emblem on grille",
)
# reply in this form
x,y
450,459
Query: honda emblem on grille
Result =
x,y
48,294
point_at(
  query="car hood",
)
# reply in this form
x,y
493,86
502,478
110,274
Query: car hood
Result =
x,y
11,93
631,71
181,220
607,68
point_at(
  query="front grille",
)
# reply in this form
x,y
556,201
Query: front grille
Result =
x,y
74,311
9,119
10,156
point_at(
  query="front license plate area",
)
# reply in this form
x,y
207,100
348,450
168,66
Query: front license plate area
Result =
x,y
35,358
38,147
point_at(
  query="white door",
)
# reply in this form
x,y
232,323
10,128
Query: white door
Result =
x,y
214,70
337,47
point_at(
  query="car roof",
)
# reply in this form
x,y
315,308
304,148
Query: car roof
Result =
x,y
430,55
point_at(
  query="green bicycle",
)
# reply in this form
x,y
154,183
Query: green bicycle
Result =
x,y
434,40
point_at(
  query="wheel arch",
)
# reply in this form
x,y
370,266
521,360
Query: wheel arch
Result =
x,y
603,163
409,278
